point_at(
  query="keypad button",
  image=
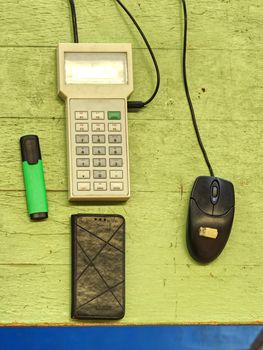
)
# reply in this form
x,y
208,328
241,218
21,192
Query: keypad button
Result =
x,y
81,115
82,127
115,151
98,139
114,127
99,151
100,186
97,115
83,174
116,186
99,162
115,139
82,151
83,186
99,174
98,127
118,162
114,115
116,174
82,138
83,162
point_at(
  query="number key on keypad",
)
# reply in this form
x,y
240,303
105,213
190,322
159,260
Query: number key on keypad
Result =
x,y
83,174
99,162
98,138
115,151
116,174
118,162
83,162
99,151
99,174
115,139
82,151
82,138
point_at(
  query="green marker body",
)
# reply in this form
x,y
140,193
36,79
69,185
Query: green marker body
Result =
x,y
34,177
35,188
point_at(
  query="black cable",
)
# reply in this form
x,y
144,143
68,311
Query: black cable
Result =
x,y
74,21
140,104
188,94
131,104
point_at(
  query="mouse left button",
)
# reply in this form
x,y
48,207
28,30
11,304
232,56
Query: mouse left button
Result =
x,y
201,194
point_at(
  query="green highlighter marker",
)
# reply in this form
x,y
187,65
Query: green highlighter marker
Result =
x,y
34,178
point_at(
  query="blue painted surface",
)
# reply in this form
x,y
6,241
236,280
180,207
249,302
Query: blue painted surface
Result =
x,y
126,338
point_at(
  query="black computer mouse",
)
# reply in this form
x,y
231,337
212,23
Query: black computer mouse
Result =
x,y
210,217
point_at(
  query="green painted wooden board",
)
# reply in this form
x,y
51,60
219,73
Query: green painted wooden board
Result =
x,y
225,75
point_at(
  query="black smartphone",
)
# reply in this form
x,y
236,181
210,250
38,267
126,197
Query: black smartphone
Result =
x,y
98,266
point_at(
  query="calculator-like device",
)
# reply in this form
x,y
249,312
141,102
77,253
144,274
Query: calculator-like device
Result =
x,y
95,80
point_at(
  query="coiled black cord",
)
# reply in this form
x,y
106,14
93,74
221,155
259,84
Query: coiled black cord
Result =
x,y
140,104
131,104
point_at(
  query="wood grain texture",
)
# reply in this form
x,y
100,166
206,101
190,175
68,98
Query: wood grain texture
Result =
x,y
225,76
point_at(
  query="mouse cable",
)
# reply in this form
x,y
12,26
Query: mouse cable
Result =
x,y
188,93
131,104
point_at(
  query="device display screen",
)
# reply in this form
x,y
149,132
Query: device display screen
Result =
x,y
96,68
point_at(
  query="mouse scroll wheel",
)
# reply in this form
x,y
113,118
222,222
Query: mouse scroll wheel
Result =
x,y
214,193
